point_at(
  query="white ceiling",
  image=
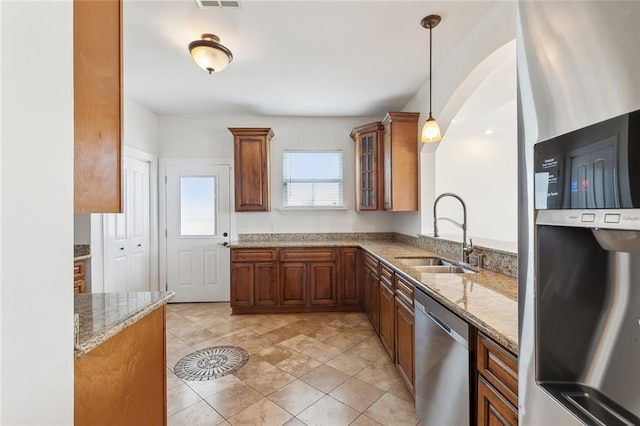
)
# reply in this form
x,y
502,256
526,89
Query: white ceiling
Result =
x,y
291,58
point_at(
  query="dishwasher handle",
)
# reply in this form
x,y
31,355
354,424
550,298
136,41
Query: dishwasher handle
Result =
x,y
443,325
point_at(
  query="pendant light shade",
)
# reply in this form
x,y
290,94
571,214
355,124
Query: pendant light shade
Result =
x,y
209,54
430,130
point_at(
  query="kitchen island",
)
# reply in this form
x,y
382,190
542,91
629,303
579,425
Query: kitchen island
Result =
x,y
120,351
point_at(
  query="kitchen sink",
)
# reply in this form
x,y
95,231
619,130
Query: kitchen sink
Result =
x,y
421,261
443,269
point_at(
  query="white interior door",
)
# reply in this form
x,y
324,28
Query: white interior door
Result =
x,y
198,221
127,254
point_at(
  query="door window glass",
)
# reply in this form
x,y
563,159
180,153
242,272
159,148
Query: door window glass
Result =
x,y
197,206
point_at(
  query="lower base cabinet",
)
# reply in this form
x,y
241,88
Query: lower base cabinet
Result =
x,y
123,381
405,344
387,320
497,384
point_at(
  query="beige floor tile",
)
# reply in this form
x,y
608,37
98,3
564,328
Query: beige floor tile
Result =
x,y
298,364
198,337
364,420
296,396
269,381
382,375
185,330
267,326
322,352
224,328
172,379
357,394
234,399
295,422
350,364
176,321
300,342
400,390
199,414
206,388
238,336
255,366
347,339
325,378
370,349
175,344
391,410
328,412
253,345
262,413
177,355
281,334
275,353
179,398
246,320
216,341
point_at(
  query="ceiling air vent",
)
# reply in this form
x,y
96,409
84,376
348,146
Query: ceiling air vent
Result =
x,y
218,4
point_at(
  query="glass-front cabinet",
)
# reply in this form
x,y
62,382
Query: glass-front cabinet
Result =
x,y
367,140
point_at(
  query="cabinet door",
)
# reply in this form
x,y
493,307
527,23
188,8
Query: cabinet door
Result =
x,y
368,183
97,97
293,290
251,168
366,299
375,303
405,346
348,285
387,320
493,408
266,284
242,284
323,283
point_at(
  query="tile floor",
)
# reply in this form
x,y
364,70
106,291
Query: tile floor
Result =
x,y
303,369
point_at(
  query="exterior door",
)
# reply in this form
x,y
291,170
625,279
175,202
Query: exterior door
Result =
x,y
198,221
127,267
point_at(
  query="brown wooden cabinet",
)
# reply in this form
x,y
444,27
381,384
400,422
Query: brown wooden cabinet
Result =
x,y
405,345
97,97
79,276
372,290
254,275
123,381
349,289
387,319
400,148
497,384
294,280
368,166
251,168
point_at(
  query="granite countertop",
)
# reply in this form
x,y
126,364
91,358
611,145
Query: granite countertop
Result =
x,y
84,257
81,252
487,300
103,315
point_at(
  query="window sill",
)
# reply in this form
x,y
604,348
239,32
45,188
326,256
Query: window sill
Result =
x,y
285,210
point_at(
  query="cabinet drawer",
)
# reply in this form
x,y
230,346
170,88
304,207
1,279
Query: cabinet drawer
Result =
x,y
251,255
308,255
386,275
499,367
372,263
404,289
78,268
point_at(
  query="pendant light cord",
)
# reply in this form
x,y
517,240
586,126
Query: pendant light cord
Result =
x,y
430,60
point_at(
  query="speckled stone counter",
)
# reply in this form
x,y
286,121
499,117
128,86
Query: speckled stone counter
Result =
x,y
81,252
487,300
103,315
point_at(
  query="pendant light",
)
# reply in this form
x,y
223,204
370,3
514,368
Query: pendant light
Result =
x,y
430,130
209,54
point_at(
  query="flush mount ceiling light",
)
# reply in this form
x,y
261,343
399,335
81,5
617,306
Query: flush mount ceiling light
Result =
x,y
209,54
431,130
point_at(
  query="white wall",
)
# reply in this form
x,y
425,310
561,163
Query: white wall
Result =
x,y
208,137
140,127
577,65
37,214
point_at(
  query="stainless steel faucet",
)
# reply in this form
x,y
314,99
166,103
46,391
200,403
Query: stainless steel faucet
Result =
x,y
467,249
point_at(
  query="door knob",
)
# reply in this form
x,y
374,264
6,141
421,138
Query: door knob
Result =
x,y
225,244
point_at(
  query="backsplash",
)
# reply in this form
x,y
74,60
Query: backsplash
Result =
x,y
492,259
317,237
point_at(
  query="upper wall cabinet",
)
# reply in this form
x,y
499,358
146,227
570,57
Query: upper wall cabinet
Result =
x,y
400,147
251,167
386,163
97,67
368,166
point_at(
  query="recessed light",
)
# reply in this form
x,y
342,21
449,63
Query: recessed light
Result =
x,y
488,132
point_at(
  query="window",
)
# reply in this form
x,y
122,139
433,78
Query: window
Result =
x,y
312,179
197,206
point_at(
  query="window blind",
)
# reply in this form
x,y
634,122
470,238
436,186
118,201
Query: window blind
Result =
x,y
312,179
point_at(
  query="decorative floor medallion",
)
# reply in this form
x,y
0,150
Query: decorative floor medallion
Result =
x,y
211,363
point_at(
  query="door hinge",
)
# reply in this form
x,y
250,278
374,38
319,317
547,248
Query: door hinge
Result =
x,y
165,179
165,233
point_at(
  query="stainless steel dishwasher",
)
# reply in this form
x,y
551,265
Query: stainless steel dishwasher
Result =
x,y
442,364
